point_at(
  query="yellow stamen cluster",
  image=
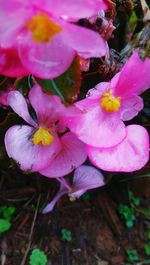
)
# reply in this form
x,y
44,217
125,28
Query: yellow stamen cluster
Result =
x,y
109,102
72,199
43,137
42,28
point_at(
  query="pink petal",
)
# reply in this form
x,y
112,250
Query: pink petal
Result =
x,y
86,178
130,107
18,103
51,205
19,146
71,156
96,127
10,64
134,77
74,9
98,90
13,17
47,60
85,41
50,108
130,155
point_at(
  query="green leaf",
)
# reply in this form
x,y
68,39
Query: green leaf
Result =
x,y
4,225
67,85
7,212
38,257
147,249
132,255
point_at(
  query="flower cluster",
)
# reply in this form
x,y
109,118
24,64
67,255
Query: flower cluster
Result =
x,y
55,139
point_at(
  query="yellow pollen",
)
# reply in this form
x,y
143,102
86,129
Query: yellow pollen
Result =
x,y
72,199
42,28
109,102
43,137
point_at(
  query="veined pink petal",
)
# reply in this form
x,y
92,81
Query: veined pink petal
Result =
x,y
45,60
10,64
134,77
74,9
86,178
59,194
85,41
71,156
95,126
18,103
130,155
48,108
130,107
19,146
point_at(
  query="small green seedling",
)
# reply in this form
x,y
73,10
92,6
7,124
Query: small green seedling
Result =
x,y
66,235
132,255
147,248
4,225
37,257
6,214
128,215
133,200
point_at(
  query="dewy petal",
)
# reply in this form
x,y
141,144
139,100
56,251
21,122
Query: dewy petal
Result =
x,y
10,64
128,156
74,9
71,156
134,77
130,107
59,194
19,146
86,178
48,108
95,126
46,60
18,103
85,41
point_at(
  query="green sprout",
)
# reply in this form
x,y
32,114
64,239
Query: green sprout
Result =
x,y
5,221
132,255
147,248
66,235
133,200
4,225
7,212
128,215
38,257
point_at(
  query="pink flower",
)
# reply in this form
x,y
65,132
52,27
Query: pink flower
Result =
x,y
100,123
85,178
10,64
45,40
42,144
130,155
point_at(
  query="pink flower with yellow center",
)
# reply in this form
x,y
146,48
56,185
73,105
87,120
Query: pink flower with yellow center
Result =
x,y
44,36
110,144
43,144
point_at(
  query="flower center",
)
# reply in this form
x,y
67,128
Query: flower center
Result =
x,y
109,102
42,136
42,28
